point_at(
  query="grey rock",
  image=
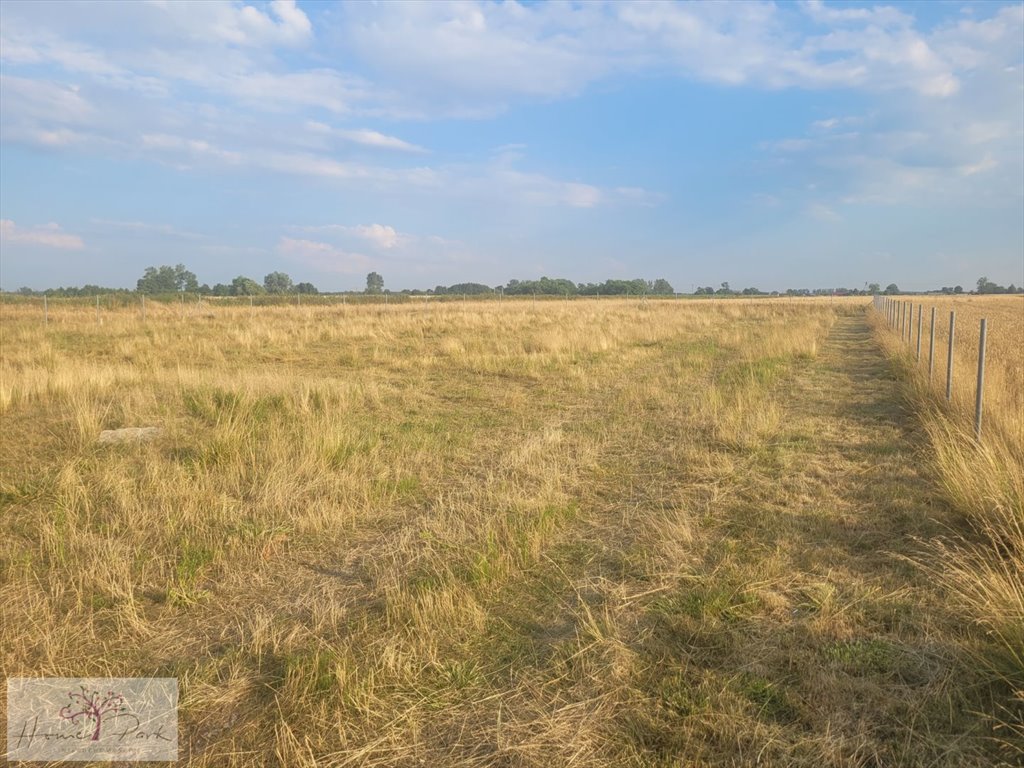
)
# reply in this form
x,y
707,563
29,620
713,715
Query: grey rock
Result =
x,y
129,435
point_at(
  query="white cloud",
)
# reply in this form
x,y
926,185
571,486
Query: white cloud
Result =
x,y
822,212
49,236
231,85
985,164
363,136
831,15
379,235
379,140
148,228
323,257
190,149
236,23
466,56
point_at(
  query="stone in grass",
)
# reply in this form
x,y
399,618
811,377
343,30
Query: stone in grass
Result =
x,y
129,435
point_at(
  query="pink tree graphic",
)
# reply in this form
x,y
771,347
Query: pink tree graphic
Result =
x,y
91,708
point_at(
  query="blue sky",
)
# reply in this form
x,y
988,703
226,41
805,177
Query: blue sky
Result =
x,y
764,144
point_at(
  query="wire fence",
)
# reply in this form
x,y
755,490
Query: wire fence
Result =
x,y
899,316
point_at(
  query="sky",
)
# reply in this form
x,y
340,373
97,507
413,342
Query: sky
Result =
x,y
768,145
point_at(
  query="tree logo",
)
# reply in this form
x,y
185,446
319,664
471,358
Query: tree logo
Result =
x,y
90,707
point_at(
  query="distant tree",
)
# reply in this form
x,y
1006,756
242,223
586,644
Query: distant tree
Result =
x,y
221,290
306,288
165,279
958,289
277,282
662,287
245,286
374,283
547,286
987,286
154,280
892,288
472,289
874,288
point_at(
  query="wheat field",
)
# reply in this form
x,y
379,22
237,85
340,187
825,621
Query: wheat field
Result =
x,y
583,533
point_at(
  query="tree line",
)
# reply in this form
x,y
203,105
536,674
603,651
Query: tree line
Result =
x,y
167,279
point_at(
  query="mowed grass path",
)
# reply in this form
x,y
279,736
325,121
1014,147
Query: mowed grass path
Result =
x,y
793,631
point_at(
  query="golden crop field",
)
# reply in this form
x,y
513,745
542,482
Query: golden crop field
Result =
x,y
593,533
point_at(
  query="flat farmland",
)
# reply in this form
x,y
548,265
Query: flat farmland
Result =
x,y
517,533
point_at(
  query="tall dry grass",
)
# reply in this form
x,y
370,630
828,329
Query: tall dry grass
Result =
x,y
983,479
423,533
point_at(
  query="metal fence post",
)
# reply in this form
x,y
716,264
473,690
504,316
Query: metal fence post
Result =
x,y
981,380
949,356
46,311
931,348
143,297
920,314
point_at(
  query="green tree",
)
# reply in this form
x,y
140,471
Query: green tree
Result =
x,y
374,283
306,288
874,288
245,286
166,279
277,282
987,286
662,287
892,289
472,289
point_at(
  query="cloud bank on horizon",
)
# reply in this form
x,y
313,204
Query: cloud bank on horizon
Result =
x,y
776,145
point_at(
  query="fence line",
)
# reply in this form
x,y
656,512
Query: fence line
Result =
x,y
899,318
931,348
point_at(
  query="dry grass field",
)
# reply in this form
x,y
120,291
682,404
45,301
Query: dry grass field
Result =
x,y
983,481
588,533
